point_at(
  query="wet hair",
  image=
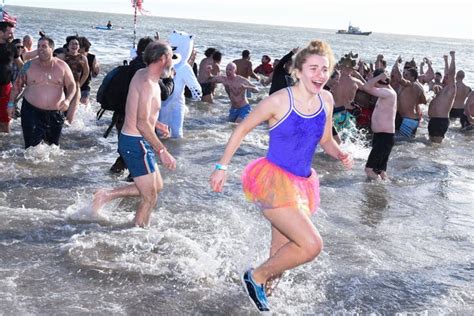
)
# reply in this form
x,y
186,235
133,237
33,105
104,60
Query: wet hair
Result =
x,y
410,64
4,25
14,43
72,38
460,75
245,53
315,47
142,44
84,43
49,40
438,73
155,50
267,58
413,72
217,56
208,52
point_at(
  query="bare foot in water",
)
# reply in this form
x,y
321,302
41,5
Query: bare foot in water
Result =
x,y
371,174
384,175
99,199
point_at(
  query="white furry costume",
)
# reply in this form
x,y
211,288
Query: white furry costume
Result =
x,y
173,109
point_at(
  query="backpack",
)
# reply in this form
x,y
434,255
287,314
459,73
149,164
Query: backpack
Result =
x,y
113,91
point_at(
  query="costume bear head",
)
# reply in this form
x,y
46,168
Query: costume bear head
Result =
x,y
182,44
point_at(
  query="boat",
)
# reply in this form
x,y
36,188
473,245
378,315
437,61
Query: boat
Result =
x,y
353,30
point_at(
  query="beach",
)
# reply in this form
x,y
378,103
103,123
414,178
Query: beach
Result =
x,y
401,247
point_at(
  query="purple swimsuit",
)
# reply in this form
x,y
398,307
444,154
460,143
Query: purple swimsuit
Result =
x,y
293,139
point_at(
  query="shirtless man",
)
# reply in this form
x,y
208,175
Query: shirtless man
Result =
x,y
440,106
383,124
380,62
244,66
203,75
467,119
216,68
410,96
49,90
235,87
436,82
344,93
138,141
28,52
462,91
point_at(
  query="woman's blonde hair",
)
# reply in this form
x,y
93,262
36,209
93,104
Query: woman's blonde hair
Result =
x,y
315,47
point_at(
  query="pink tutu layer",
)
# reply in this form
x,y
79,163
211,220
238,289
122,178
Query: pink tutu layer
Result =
x,y
270,186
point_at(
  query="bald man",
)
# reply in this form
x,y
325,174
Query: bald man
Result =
x,y
236,87
462,91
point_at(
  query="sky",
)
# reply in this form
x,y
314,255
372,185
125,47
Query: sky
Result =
x,y
454,18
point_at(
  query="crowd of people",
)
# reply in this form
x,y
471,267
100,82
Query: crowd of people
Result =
x,y
313,100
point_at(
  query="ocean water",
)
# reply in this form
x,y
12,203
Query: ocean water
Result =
x,y
403,247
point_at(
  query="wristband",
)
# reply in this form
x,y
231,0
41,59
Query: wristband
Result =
x,y
221,167
162,150
10,104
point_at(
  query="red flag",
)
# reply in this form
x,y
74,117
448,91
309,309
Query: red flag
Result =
x,y
139,5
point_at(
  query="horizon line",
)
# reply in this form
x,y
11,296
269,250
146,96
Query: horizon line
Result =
x,y
239,22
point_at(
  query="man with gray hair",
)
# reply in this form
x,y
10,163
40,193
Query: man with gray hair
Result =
x,y
138,141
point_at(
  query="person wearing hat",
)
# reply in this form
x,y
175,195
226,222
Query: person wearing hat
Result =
x,y
344,93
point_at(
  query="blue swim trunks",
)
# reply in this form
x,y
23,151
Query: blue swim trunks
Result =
x,y
137,154
342,120
235,113
408,127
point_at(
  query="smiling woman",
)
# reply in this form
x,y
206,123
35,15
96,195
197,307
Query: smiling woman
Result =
x,y
283,184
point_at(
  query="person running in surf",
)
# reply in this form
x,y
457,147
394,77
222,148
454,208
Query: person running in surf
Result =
x,y
236,87
138,141
283,184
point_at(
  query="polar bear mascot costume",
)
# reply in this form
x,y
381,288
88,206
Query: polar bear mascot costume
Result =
x,y
173,109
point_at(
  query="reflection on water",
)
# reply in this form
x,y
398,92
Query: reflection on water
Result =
x,y
374,203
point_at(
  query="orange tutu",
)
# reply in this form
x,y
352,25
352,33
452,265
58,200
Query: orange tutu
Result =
x,y
270,186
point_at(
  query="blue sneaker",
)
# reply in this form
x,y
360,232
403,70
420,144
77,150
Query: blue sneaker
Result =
x,y
255,292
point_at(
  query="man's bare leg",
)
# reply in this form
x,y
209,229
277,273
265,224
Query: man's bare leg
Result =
x,y
103,196
149,186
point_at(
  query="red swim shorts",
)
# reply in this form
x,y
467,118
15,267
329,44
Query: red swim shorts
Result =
x,y
4,98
